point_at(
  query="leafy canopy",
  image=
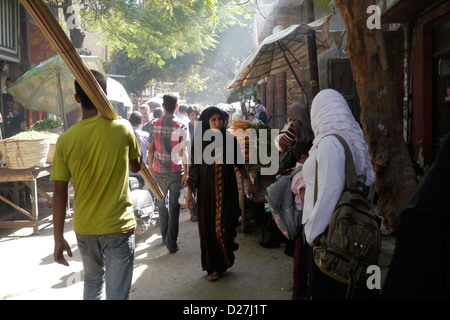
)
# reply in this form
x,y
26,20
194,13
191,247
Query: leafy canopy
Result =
x,y
184,41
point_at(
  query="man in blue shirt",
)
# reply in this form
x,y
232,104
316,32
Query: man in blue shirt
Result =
x,y
261,114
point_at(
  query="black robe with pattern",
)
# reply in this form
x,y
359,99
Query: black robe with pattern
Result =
x,y
218,205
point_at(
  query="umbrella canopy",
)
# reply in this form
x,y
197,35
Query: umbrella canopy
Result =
x,y
280,51
48,86
117,93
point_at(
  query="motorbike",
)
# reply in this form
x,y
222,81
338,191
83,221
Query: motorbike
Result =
x,y
144,205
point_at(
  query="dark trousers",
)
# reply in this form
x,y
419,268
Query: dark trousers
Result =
x,y
300,286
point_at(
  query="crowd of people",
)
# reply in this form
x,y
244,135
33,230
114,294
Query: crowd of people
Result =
x,y
98,155
216,207
212,197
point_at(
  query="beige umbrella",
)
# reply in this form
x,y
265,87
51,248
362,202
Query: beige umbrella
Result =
x,y
282,51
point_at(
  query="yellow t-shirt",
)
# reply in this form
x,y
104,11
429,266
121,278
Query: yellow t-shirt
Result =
x,y
95,152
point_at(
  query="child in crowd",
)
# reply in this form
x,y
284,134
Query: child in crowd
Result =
x,y
300,150
252,118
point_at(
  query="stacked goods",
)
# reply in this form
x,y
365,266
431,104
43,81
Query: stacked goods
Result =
x,y
239,128
25,150
53,137
239,124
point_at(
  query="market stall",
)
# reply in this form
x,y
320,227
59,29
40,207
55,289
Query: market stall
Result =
x,y
239,128
27,157
30,178
260,184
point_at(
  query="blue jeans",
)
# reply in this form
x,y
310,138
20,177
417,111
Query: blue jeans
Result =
x,y
107,259
170,184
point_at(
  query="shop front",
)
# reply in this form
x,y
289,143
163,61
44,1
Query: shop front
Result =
x,y
9,56
22,45
427,85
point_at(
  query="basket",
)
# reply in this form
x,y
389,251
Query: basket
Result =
x,y
24,154
58,130
51,152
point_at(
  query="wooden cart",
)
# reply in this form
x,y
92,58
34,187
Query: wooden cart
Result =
x,y
29,177
260,183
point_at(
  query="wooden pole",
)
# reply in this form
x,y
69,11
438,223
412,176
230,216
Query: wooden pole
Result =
x,y
312,51
17,208
53,32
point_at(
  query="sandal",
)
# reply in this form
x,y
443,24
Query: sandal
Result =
x,y
213,276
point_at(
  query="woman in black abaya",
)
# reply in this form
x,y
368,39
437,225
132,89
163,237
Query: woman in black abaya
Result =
x,y
217,193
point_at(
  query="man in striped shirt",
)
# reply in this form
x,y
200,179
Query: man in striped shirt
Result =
x,y
167,159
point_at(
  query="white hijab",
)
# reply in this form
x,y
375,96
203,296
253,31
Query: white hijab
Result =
x,y
330,114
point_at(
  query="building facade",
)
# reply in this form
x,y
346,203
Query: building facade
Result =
x,y
425,26
22,45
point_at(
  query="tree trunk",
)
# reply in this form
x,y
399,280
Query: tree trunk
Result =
x,y
395,177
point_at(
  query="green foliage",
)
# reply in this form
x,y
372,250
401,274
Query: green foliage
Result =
x,y
204,79
139,69
198,45
158,29
45,124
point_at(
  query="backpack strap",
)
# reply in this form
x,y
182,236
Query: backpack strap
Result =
x,y
351,178
315,184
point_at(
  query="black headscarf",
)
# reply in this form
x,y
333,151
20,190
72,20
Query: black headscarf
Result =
x,y
206,115
227,147
199,133
204,119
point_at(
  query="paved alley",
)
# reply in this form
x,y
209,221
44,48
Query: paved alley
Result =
x,y
28,272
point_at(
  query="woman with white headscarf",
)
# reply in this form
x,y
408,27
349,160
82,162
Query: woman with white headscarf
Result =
x,y
330,114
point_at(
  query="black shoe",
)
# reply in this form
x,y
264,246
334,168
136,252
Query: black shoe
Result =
x,y
174,250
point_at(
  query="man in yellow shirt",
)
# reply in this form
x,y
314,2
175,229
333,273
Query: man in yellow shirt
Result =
x,y
97,155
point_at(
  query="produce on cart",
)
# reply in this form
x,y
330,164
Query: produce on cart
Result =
x,y
251,143
50,125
